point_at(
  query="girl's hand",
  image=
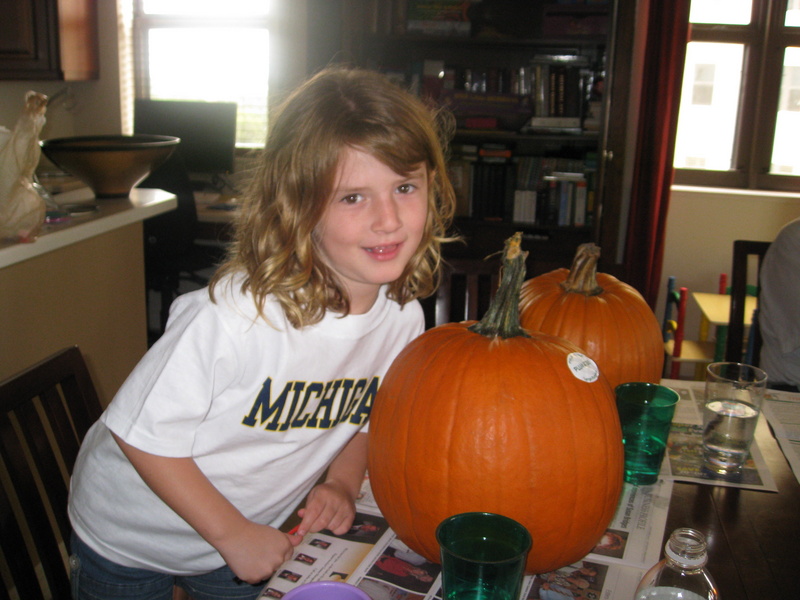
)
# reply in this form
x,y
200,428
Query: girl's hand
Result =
x,y
329,506
256,551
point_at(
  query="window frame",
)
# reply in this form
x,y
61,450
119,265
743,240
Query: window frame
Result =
x,y
144,22
766,36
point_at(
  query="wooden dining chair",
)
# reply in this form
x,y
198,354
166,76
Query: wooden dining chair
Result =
x,y
466,288
45,411
677,349
735,344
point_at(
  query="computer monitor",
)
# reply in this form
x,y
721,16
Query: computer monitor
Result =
x,y
207,131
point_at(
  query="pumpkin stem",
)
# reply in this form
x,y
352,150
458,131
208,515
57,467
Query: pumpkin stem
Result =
x,y
502,317
582,278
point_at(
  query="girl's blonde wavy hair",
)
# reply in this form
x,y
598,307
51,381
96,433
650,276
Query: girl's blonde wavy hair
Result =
x,y
274,246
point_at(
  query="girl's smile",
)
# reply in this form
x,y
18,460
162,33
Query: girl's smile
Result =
x,y
384,252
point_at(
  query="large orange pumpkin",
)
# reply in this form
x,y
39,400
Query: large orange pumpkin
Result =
x,y
485,417
609,319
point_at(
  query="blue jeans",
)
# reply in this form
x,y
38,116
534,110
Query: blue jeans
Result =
x,y
96,578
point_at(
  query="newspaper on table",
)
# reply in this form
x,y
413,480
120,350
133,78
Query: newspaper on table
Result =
x,y
371,557
685,446
782,410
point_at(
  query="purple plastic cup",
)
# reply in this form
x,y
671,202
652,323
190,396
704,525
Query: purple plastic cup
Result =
x,y
326,590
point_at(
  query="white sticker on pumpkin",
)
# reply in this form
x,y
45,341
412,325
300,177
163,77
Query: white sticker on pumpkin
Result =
x,y
583,367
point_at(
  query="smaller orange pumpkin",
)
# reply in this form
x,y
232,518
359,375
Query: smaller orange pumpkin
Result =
x,y
605,317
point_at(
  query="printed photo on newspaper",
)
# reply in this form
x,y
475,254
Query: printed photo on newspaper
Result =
x,y
685,446
372,558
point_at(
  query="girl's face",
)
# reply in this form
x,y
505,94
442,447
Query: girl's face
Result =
x,y
372,225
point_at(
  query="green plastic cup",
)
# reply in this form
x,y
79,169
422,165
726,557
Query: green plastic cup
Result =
x,y
483,556
645,413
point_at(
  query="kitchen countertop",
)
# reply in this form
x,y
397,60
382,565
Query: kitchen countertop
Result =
x,y
111,214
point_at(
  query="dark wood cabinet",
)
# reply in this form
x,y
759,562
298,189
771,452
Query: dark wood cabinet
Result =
x,y
504,40
49,40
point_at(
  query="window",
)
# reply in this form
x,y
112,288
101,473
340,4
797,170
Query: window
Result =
x,y
740,106
207,50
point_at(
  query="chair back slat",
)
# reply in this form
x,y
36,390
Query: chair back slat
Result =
x,y
734,346
31,510
465,290
678,349
17,562
46,458
44,413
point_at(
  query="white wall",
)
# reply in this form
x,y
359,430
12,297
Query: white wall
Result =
x,y
701,227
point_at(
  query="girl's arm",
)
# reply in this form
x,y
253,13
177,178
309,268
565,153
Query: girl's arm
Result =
x,y
251,550
331,505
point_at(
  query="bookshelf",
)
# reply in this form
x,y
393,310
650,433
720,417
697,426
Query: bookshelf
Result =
x,y
525,80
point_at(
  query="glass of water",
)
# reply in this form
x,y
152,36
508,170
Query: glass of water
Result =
x,y
733,398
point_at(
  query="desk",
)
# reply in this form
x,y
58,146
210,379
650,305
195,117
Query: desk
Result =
x,y
753,536
215,214
715,310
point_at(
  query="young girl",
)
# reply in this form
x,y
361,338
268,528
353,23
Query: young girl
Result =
x,y
265,380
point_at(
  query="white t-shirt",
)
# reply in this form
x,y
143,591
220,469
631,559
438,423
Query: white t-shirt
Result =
x,y
779,307
261,409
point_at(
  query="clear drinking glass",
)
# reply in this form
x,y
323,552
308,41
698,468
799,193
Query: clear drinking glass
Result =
x,y
733,398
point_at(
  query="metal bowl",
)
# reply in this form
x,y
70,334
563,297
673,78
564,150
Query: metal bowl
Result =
x,y
111,165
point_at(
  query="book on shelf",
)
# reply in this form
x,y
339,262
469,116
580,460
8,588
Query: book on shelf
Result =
x,y
594,114
378,17
438,17
493,182
474,110
529,172
461,176
525,206
499,153
579,214
575,20
558,86
566,202
528,182
553,125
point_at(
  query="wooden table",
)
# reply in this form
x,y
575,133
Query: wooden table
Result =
x,y
753,536
715,311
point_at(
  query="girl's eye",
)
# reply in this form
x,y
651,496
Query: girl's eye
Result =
x,y
406,188
352,198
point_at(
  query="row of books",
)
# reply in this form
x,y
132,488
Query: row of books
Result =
x,y
492,184
462,18
559,85
566,201
552,93
438,17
